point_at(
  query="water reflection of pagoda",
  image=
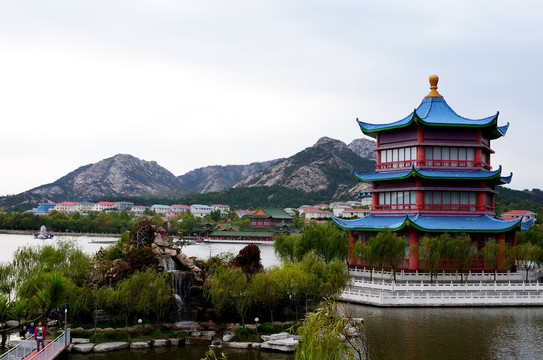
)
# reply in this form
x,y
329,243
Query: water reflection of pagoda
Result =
x,y
434,175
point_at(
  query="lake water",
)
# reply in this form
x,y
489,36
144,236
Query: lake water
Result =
x,y
412,333
393,333
10,243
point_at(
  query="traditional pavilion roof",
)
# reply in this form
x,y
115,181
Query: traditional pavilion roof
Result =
x,y
434,111
436,174
238,234
271,213
433,223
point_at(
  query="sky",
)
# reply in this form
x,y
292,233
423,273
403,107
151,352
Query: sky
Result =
x,y
195,83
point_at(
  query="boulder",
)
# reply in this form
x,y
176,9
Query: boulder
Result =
x,y
140,345
83,348
170,252
189,264
12,323
228,337
163,241
283,342
176,341
80,341
159,343
185,325
199,340
111,346
281,335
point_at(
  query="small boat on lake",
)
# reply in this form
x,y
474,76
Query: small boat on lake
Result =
x,y
43,234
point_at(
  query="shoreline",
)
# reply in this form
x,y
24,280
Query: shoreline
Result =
x,y
57,233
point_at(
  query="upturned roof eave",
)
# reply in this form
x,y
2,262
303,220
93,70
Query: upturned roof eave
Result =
x,y
425,174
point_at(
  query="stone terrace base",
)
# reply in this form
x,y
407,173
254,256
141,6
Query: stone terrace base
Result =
x,y
386,292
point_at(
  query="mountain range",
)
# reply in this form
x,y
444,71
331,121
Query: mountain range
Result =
x,y
324,169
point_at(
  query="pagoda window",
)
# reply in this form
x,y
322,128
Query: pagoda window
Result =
x,y
396,200
398,158
450,200
450,156
484,157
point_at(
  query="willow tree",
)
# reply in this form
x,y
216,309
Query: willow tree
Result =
x,y
229,287
326,334
326,240
431,250
388,250
528,256
457,248
491,254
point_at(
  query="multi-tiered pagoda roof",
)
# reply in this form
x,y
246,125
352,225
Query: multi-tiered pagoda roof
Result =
x,y
434,175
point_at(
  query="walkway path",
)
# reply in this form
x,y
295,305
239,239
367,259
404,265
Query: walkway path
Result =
x,y
27,349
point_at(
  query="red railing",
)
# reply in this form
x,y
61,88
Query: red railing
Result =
x,y
434,207
433,163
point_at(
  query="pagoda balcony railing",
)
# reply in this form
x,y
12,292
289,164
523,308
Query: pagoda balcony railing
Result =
x,y
433,163
434,207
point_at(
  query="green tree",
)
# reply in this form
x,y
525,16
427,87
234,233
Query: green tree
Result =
x,y
389,249
265,288
431,251
326,240
284,246
298,284
490,253
457,248
215,215
528,256
324,335
229,286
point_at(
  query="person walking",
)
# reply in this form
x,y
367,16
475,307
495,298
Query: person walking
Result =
x,y
39,335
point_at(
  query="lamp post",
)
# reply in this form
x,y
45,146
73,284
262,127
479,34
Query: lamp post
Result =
x,y
65,318
256,324
139,322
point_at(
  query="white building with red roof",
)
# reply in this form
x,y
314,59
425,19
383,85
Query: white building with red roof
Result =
x,y
242,213
103,206
515,214
138,209
316,213
66,206
222,208
354,213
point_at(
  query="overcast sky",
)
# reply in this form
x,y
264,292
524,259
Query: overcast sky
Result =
x,y
196,83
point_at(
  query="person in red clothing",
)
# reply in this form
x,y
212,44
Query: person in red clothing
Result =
x,y
39,335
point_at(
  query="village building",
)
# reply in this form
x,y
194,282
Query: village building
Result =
x,y
160,209
354,213
123,205
66,206
199,210
526,215
177,207
222,208
138,210
434,175
316,213
103,206
242,213
264,225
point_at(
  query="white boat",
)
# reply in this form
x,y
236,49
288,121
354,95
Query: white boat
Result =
x,y
43,234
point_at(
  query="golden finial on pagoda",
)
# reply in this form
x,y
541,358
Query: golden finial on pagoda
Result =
x,y
433,86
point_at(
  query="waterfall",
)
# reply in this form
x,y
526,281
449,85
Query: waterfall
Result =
x,y
181,285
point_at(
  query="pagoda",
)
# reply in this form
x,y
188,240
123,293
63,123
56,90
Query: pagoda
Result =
x,y
433,175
